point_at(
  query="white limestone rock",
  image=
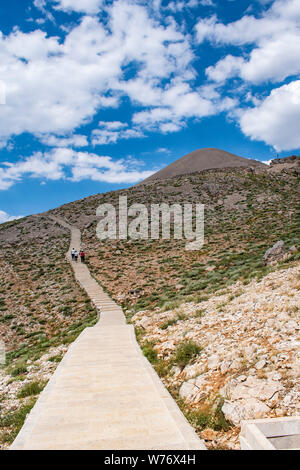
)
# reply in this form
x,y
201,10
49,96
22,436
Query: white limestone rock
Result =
x,y
167,346
193,370
213,362
244,409
251,388
188,390
260,364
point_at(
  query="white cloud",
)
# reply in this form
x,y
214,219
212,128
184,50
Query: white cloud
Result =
x,y
111,132
54,87
226,68
41,5
177,5
163,150
167,127
81,6
112,125
177,103
207,3
282,15
276,119
75,140
271,55
67,164
4,217
274,60
275,41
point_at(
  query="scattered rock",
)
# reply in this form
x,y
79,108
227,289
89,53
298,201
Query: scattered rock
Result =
x,y
276,253
244,409
192,370
175,371
225,366
209,435
260,364
144,322
179,286
251,388
213,362
188,390
250,353
167,346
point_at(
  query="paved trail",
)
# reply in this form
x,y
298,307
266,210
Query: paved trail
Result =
x,y
105,394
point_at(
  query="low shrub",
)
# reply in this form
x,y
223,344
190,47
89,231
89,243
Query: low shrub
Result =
x,y
31,389
185,352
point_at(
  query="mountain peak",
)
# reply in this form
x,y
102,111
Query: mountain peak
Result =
x,y
203,159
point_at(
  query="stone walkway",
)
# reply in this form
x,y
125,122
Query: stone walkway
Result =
x,y
105,395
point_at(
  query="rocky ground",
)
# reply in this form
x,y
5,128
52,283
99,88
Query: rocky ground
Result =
x,y
18,392
248,363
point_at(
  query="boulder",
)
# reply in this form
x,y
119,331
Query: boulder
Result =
x,y
194,389
192,370
276,253
144,322
188,390
244,409
251,388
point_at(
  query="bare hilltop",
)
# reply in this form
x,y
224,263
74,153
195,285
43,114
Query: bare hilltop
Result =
x,y
201,160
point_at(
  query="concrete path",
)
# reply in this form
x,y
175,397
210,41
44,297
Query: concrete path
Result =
x,y
105,395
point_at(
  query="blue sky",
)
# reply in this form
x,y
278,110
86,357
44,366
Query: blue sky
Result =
x,y
95,95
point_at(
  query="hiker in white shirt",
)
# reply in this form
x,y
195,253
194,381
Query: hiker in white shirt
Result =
x,y
73,253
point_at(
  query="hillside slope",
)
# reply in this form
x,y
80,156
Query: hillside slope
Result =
x,y
247,364
245,213
43,309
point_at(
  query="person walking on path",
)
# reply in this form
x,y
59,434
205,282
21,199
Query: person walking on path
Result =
x,y
82,256
76,256
72,253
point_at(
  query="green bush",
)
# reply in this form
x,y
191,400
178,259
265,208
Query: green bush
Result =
x,y
20,368
171,322
33,388
162,368
15,420
150,353
210,418
185,352
57,358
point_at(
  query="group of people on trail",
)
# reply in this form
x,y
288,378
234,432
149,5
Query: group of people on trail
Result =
x,y
75,255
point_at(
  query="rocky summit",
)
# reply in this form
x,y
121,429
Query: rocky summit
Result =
x,y
203,159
